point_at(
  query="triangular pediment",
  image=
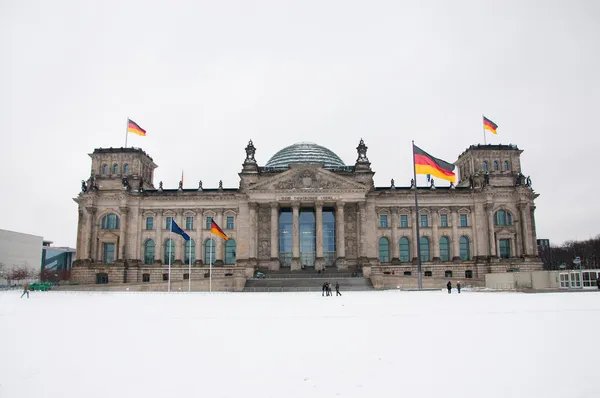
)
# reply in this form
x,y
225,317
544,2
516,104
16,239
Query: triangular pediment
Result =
x,y
307,179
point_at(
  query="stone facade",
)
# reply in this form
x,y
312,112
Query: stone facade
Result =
x,y
484,224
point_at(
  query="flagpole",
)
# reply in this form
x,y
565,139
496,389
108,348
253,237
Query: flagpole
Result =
x,y
126,130
190,268
483,120
170,242
210,263
419,274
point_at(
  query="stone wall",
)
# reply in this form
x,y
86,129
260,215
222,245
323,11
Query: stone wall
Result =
x,y
220,284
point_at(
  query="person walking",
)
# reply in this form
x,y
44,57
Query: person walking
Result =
x,y
458,287
337,289
449,287
324,289
598,283
25,290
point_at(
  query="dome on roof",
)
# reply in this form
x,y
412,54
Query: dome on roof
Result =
x,y
305,152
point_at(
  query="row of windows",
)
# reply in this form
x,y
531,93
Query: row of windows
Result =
x,y
189,222
504,248
447,273
463,220
189,254
114,170
501,217
485,166
405,251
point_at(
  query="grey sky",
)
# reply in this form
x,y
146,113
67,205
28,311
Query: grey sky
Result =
x,y
203,77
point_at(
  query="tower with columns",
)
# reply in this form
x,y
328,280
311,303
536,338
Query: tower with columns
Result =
x,y
305,209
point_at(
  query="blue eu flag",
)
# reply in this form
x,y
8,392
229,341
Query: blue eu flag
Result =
x,y
176,229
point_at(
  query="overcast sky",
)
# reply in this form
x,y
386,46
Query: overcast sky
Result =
x,y
204,77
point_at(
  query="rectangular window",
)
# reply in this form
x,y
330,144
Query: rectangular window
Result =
x,y
444,220
383,222
165,277
464,220
146,278
168,221
189,223
424,221
403,221
230,224
149,223
108,253
504,248
208,222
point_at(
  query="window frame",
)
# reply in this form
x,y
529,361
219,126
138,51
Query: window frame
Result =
x,y
385,258
383,221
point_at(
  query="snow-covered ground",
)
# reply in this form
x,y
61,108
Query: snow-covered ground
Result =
x,y
363,344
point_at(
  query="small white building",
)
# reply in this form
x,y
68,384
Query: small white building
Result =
x,y
19,250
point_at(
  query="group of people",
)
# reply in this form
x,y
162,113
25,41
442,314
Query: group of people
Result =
x,y
327,289
449,286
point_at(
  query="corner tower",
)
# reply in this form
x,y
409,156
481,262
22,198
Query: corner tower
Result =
x,y
495,165
110,166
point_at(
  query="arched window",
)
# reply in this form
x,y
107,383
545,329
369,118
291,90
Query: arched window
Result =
x,y
209,251
485,165
465,249
424,243
111,221
502,217
125,168
169,251
444,248
104,169
230,252
496,165
404,250
384,250
115,169
190,251
149,252
506,165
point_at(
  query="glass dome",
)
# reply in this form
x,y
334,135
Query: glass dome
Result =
x,y
305,152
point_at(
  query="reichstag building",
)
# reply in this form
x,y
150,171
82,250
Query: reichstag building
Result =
x,y
305,209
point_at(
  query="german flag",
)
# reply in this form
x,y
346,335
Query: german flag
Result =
x,y
489,125
215,229
132,127
427,164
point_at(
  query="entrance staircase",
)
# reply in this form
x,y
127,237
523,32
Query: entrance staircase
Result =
x,y
307,280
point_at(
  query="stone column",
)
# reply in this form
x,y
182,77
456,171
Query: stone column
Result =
x,y
295,236
252,230
89,239
415,220
455,235
198,239
435,239
523,207
121,253
341,241
319,238
158,247
274,231
362,243
179,241
395,224
219,246
489,207
533,234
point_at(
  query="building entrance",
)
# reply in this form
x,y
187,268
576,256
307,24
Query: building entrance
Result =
x,y
308,239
